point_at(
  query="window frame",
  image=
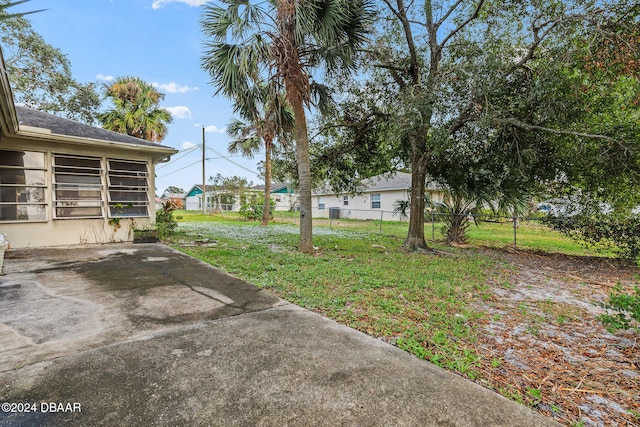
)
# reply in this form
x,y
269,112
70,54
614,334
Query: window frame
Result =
x,y
321,204
376,199
39,187
61,202
345,200
127,207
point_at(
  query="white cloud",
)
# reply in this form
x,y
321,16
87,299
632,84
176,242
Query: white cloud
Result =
x,y
214,129
173,87
157,4
187,145
103,77
179,112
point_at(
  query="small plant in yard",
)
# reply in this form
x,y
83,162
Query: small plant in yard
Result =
x,y
622,309
253,212
165,224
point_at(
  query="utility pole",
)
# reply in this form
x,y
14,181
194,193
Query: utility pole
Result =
x,y
204,182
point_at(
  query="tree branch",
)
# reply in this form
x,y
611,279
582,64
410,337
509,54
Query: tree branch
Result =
x,y
526,126
448,14
473,16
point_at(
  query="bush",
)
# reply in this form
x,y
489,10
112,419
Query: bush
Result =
x,y
253,212
165,224
620,232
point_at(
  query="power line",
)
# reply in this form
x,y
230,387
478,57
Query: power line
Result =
x,y
184,153
171,173
233,162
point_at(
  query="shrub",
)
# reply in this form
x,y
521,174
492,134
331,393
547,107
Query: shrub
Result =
x,y
620,232
253,212
165,224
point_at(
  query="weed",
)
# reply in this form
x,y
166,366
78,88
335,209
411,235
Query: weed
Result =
x,y
622,309
535,393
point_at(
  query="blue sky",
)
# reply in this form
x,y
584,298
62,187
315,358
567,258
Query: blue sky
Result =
x,y
159,41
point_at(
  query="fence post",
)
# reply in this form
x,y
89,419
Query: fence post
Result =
x,y
515,232
381,213
433,227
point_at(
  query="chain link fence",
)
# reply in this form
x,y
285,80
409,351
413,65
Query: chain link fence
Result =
x,y
522,232
529,232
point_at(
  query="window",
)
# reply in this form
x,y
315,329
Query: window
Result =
x,y
77,186
128,189
278,199
375,201
345,200
22,186
321,204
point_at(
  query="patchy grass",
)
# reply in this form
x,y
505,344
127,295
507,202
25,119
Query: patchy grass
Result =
x,y
531,235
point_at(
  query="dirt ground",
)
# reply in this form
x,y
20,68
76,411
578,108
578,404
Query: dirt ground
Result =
x,y
543,345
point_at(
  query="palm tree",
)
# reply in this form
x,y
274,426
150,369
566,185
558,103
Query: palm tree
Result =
x,y
305,35
136,110
4,15
267,118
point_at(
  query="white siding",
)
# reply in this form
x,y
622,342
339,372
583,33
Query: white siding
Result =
x,y
360,205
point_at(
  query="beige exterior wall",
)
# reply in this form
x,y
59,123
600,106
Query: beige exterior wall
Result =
x,y
57,232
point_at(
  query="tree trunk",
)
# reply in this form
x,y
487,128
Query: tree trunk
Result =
x,y
415,237
266,209
304,176
297,88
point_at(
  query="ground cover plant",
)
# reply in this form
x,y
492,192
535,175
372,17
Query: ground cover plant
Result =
x,y
522,323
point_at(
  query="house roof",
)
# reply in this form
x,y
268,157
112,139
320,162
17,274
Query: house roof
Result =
x,y
61,126
275,187
385,182
388,181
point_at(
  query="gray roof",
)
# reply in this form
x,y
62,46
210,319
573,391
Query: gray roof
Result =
x,y
387,181
275,186
61,126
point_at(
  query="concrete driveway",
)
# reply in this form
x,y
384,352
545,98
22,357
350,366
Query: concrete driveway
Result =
x,y
134,335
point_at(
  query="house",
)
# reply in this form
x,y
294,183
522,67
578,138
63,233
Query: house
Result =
x,y
68,183
376,200
193,197
284,198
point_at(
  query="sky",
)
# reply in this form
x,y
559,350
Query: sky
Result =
x,y
159,41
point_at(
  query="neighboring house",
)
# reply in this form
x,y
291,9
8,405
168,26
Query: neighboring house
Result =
x,y
193,198
67,183
280,194
283,195
376,199
218,200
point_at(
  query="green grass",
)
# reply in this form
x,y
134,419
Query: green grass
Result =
x,y
422,302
